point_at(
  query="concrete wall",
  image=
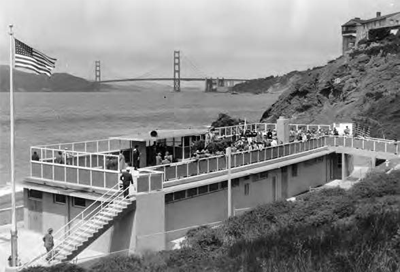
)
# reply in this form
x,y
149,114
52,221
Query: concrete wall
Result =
x,y
40,215
149,224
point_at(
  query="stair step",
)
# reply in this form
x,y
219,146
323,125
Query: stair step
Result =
x,y
121,205
78,239
70,247
115,208
95,224
111,214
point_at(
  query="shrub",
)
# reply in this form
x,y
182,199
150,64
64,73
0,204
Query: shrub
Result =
x,y
117,264
224,120
63,267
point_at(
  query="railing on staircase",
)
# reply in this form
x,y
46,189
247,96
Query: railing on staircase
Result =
x,y
85,226
80,220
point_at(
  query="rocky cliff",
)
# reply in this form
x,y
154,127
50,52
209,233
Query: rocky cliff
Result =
x,y
363,85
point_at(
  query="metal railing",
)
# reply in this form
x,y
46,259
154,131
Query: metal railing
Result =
x,y
81,220
263,127
195,167
381,145
94,146
75,167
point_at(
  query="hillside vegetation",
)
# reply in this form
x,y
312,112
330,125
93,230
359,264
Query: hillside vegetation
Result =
x,y
362,84
329,230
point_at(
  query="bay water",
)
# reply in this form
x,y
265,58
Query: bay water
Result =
x,y
50,118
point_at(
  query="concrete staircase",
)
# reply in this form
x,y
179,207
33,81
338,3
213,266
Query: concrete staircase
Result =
x,y
93,228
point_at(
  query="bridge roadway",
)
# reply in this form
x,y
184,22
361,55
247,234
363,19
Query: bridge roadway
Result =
x,y
167,79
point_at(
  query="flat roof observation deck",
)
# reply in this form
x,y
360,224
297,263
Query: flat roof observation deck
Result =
x,y
90,165
93,165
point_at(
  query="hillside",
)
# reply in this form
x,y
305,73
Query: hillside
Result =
x,y
363,84
29,82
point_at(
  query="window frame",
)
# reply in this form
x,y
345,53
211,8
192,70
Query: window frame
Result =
x,y
30,196
78,206
247,189
59,202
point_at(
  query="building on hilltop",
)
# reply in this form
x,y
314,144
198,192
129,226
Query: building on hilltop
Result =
x,y
357,29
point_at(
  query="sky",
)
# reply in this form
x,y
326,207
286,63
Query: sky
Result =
x,y
222,38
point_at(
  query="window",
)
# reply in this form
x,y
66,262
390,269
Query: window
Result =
x,y
169,198
246,177
214,187
246,189
179,195
203,189
294,170
256,177
79,202
33,194
192,192
59,199
235,182
224,184
264,175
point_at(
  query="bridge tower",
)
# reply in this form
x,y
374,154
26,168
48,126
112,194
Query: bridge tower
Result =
x,y
177,71
97,71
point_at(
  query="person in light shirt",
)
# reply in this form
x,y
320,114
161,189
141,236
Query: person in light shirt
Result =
x,y
274,142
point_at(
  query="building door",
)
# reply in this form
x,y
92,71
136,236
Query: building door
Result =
x,y
35,209
284,182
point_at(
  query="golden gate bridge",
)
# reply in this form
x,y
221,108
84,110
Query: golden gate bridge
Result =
x,y
211,84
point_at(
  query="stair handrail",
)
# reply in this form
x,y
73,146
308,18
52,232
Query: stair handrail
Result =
x,y
55,253
81,214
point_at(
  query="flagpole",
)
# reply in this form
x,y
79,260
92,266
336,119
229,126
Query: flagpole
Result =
x,y
14,234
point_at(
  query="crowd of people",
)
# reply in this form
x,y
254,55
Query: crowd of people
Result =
x,y
256,140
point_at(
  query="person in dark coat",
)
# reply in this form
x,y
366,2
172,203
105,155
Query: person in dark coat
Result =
x,y
136,157
35,156
126,179
48,242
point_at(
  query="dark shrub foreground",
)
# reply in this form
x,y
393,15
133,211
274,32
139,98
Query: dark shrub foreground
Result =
x,y
329,230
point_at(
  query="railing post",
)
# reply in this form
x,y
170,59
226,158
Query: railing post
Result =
x,y
258,155
41,164
386,143
242,158
73,146
344,141
334,141
30,159
374,145
187,169
208,165
65,172
250,155
91,170
77,168
104,170
53,163
109,145
85,146
218,163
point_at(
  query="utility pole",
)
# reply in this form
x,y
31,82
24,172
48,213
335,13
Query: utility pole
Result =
x,y
177,71
228,163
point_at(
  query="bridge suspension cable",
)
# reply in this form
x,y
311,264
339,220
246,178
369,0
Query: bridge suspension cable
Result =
x,y
192,63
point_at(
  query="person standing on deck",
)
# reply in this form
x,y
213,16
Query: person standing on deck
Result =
x,y
48,243
121,159
136,157
127,180
35,156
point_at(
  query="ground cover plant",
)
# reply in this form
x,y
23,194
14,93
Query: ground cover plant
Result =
x,y
328,230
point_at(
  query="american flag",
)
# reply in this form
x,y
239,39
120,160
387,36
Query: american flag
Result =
x,y
29,58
